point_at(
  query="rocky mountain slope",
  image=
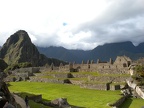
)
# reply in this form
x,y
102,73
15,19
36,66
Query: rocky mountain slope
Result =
x,y
102,52
112,50
19,48
3,65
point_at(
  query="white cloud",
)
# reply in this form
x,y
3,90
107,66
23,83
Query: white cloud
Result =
x,y
78,24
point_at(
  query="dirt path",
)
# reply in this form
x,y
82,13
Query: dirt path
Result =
x,y
20,101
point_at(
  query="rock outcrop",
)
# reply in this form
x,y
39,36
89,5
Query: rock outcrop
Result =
x,y
5,95
60,103
19,48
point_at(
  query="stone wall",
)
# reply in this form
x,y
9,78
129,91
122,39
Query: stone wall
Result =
x,y
120,66
76,82
100,86
122,61
131,84
79,75
113,71
23,73
114,87
61,81
29,70
97,86
62,75
140,91
105,78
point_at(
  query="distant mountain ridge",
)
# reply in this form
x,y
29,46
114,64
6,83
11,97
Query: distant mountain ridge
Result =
x,y
102,52
112,50
19,48
64,54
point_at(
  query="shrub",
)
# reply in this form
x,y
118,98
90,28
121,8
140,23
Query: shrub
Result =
x,y
17,66
139,70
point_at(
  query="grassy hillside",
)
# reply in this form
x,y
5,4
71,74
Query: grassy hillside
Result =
x,y
76,96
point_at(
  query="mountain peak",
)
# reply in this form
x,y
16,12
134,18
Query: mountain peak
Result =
x,y
19,48
20,35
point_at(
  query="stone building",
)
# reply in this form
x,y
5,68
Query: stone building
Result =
x,y
24,73
120,65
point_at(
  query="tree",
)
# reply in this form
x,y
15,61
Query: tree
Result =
x,y
139,70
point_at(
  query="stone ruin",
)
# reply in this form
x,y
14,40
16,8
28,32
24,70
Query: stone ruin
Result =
x,y
66,73
22,74
119,66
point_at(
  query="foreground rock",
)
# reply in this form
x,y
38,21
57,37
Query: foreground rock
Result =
x,y
6,96
57,103
60,102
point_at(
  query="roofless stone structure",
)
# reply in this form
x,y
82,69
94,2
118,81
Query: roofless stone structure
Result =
x,y
120,65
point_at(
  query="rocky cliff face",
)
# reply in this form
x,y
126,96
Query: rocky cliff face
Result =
x,y
19,48
3,65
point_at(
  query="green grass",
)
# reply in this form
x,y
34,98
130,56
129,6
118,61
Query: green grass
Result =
x,y
114,75
86,73
78,79
133,103
76,96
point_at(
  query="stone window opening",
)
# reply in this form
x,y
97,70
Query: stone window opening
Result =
x,y
124,65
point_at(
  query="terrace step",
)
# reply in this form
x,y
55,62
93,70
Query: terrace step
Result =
x,y
89,80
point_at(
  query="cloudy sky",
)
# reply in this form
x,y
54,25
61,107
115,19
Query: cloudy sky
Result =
x,y
73,24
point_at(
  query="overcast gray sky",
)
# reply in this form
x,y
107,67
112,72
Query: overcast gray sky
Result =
x,y
73,24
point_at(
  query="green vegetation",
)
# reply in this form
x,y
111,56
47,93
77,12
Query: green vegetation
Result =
x,y
139,70
139,75
133,103
86,73
75,95
17,66
115,75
